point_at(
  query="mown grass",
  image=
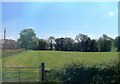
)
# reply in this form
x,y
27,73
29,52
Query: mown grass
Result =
x,y
55,59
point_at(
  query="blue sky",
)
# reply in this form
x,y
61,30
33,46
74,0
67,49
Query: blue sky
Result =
x,y
61,19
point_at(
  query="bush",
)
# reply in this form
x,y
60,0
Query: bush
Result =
x,y
83,74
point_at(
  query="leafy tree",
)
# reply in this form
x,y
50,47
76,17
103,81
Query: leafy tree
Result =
x,y
59,44
64,44
86,46
77,46
42,45
81,37
34,44
68,44
83,42
104,43
51,41
28,39
93,46
117,42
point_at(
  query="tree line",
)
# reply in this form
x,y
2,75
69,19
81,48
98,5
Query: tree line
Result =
x,y
83,43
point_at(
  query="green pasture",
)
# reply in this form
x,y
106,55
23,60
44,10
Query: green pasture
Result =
x,y
54,59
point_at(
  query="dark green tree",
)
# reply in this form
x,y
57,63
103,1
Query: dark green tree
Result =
x,y
83,42
93,46
59,44
51,41
104,43
42,45
68,44
117,42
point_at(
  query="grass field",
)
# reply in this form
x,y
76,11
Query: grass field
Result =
x,y
55,59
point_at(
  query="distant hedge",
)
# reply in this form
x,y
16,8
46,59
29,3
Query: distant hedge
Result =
x,y
83,74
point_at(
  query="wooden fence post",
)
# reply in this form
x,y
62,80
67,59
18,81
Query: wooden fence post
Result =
x,y
40,73
43,71
19,75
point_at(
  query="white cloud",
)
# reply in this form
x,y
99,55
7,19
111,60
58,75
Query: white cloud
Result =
x,y
113,13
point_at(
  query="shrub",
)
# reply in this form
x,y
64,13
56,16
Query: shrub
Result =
x,y
83,74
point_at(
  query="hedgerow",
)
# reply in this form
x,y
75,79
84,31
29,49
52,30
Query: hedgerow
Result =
x,y
83,74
